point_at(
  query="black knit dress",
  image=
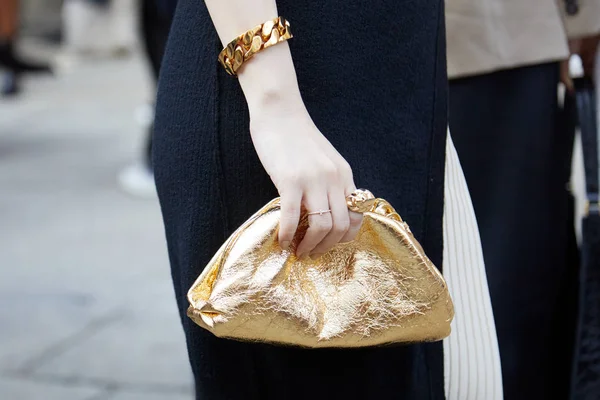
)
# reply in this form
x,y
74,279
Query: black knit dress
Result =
x,y
373,77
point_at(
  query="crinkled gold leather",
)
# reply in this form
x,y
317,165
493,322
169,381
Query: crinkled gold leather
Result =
x,y
378,289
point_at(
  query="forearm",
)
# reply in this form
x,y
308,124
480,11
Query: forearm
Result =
x,y
234,17
269,77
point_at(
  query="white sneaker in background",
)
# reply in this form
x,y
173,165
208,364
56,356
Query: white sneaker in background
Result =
x,y
137,180
107,31
144,115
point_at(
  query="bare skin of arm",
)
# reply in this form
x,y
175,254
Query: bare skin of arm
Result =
x,y
306,169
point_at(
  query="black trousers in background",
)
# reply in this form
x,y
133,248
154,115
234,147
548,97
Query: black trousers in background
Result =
x,y
155,24
515,151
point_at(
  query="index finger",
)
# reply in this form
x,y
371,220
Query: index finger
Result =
x,y
291,202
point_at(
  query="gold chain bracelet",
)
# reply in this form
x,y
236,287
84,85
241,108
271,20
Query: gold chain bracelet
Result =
x,y
245,46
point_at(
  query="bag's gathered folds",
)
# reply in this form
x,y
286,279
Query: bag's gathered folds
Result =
x,y
378,289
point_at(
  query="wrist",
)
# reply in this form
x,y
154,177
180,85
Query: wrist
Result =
x,y
269,80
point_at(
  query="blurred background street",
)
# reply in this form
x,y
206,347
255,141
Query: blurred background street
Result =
x,y
87,309
86,305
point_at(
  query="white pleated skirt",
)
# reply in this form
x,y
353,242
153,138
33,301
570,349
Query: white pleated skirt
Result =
x,y
471,356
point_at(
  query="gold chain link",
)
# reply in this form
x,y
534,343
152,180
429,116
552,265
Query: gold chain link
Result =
x,y
245,46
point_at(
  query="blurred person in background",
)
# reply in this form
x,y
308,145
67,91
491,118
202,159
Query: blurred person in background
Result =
x,y
508,130
98,29
155,23
13,64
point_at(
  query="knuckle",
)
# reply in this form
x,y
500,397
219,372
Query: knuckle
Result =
x,y
290,213
321,249
325,170
329,171
306,179
322,225
342,227
350,237
287,229
288,182
345,170
355,219
285,237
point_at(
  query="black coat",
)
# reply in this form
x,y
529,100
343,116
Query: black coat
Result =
x,y
373,78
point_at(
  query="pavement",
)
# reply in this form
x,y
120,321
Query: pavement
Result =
x,y
86,306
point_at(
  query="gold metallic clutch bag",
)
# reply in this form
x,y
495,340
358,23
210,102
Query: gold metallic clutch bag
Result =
x,y
378,289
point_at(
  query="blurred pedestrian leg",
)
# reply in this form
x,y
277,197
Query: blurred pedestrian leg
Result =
x,y
155,25
98,28
13,64
516,158
515,142
155,22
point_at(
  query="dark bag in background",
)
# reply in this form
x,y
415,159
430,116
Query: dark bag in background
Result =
x,y
586,365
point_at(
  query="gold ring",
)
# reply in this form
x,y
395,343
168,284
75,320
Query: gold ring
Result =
x,y
321,212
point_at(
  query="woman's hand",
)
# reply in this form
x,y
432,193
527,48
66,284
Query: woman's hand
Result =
x,y
303,165
307,171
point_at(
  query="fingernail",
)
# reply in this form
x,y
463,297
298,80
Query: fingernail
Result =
x,y
315,256
285,245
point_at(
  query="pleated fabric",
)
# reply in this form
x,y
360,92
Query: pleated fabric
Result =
x,y
471,356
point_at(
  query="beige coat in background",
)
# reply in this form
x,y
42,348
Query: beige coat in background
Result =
x,y
489,35
586,22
